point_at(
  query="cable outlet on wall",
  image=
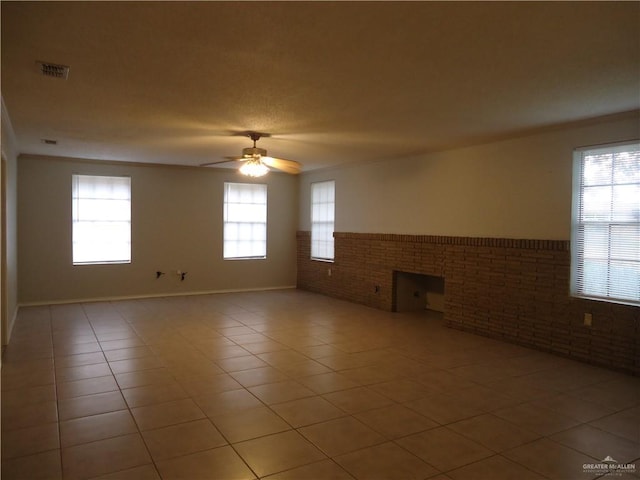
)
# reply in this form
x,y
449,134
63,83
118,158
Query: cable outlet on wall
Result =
x,y
588,319
328,272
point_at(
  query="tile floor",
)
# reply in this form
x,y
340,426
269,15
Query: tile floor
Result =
x,y
293,385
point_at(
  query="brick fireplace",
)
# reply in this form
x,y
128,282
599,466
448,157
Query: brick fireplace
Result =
x,y
516,290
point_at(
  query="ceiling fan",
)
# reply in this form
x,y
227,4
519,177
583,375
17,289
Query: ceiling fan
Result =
x,y
256,163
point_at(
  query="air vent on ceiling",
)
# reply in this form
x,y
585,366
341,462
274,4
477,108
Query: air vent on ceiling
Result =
x,y
53,70
48,141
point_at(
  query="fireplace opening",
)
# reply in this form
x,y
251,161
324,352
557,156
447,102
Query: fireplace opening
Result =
x,y
415,291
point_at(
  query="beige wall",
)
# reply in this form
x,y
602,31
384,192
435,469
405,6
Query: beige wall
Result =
x,y
9,154
176,225
520,188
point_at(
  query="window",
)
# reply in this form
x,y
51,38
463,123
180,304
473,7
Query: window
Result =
x,y
245,220
101,213
605,238
322,219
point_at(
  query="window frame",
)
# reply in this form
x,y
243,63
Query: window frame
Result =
x,y
225,222
578,276
313,222
75,221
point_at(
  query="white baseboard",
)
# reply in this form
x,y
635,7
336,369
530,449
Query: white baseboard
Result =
x,y
143,296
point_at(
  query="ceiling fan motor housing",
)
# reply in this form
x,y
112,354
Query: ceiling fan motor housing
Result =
x,y
253,152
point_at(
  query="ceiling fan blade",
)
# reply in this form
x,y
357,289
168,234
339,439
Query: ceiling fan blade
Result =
x,y
287,166
229,159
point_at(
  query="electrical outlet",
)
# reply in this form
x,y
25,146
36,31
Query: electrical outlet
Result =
x,y
328,272
588,319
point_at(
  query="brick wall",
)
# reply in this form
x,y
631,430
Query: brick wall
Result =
x,y
511,289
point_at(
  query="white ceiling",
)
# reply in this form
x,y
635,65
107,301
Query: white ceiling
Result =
x,y
333,82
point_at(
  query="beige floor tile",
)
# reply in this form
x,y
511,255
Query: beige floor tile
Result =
x,y
218,354
599,444
110,334
63,337
395,421
443,381
371,374
45,465
127,353
552,460
319,351
264,347
278,452
236,364
358,399
445,408
88,386
120,344
29,415
494,432
182,439
617,395
23,397
135,364
341,435
444,449
272,393
152,394
247,338
235,331
402,390
96,427
223,403
144,472
144,377
90,405
624,424
307,411
222,463
385,462
104,456
76,348
494,468
259,376
248,424
207,385
30,440
327,382
574,407
197,368
304,368
481,373
26,379
492,396
539,420
79,360
164,414
323,470
521,389
282,358
69,374
485,399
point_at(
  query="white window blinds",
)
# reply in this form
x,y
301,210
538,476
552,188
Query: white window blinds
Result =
x,y
605,240
101,213
322,219
245,220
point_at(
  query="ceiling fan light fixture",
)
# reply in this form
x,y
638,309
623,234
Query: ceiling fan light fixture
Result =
x,y
254,168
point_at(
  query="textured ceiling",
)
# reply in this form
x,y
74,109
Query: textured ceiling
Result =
x,y
333,82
